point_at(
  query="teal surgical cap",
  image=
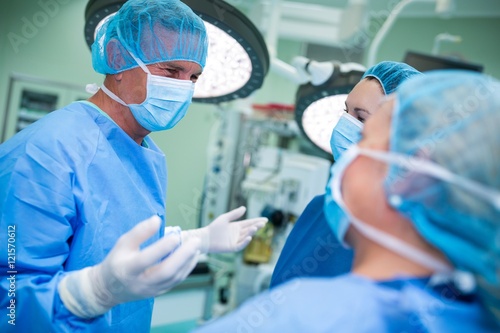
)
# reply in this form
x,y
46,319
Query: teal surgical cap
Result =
x,y
452,119
390,74
151,30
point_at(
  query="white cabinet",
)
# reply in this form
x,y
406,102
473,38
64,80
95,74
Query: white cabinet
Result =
x,y
30,98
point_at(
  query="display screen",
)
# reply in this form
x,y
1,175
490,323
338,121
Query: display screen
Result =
x,y
426,62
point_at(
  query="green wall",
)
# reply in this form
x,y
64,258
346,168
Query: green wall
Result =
x,y
56,50
480,40
276,88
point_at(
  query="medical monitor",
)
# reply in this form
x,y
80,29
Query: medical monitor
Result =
x,y
426,62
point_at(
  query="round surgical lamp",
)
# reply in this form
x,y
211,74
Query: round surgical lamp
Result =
x,y
319,107
238,59
96,13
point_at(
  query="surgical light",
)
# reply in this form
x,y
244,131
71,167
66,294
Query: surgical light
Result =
x,y
97,12
238,59
319,119
228,66
102,22
318,106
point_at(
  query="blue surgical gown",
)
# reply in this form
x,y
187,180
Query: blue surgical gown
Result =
x,y
351,303
311,249
70,185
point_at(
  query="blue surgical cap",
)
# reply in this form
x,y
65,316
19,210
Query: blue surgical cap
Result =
x,y
390,74
451,118
151,30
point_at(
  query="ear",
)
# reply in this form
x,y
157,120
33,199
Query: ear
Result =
x,y
118,76
115,55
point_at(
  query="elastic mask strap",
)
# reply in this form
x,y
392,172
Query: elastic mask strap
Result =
x,y
113,96
398,246
425,167
140,63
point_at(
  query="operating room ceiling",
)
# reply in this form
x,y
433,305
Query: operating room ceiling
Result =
x,y
339,23
462,8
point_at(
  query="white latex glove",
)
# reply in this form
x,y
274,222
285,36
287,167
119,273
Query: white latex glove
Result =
x,y
129,273
224,235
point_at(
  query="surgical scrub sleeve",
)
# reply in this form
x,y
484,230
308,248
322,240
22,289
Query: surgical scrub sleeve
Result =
x,y
71,184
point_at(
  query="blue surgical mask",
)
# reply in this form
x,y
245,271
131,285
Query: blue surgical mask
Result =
x,y
335,216
345,133
166,102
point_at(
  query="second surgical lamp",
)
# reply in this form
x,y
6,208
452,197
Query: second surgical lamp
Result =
x,y
320,101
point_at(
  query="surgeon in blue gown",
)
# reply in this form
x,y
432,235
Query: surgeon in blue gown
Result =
x,y
75,186
311,249
419,201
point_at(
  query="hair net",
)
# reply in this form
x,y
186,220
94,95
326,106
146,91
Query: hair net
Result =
x,y
452,118
153,31
390,74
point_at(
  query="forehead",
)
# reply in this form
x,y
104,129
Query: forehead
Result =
x,y
366,94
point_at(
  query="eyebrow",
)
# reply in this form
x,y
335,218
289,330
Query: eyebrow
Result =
x,y
177,67
362,110
357,109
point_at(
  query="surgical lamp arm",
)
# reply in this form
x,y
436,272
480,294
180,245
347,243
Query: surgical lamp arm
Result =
x,y
303,70
443,7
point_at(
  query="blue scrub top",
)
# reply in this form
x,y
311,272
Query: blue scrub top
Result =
x,y
351,303
71,184
311,249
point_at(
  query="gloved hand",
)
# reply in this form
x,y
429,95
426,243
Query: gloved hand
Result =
x,y
128,273
224,235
